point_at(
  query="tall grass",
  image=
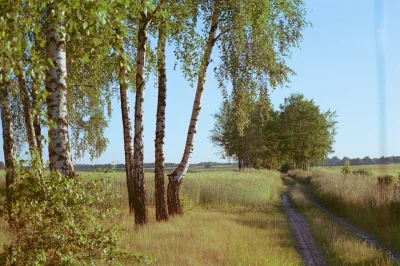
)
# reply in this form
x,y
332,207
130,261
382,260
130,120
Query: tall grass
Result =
x,y
361,200
340,246
215,190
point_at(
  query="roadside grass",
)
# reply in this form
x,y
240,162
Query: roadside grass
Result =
x,y
231,218
359,199
339,245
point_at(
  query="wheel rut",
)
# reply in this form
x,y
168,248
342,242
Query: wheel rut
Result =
x,y
309,248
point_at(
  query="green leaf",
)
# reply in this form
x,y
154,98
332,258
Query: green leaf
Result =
x,y
85,58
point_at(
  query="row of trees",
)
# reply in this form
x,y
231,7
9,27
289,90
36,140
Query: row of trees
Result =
x,y
63,61
335,161
298,133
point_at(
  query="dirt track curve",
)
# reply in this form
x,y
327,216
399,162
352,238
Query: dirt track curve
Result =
x,y
308,246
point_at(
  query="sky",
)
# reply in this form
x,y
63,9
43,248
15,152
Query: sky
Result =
x,y
336,66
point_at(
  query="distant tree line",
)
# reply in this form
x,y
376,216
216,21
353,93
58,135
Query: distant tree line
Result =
x,y
335,161
91,167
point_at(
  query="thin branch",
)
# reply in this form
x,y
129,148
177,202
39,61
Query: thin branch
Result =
x,y
155,10
221,33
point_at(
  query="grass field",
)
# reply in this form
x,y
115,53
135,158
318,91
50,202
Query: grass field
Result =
x,y
390,169
230,218
360,199
236,218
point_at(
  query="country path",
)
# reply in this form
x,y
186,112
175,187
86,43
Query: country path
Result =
x,y
309,248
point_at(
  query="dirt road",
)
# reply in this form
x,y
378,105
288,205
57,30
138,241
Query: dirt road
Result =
x,y
309,248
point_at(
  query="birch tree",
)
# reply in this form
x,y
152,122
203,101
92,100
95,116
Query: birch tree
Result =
x,y
161,207
147,14
175,23
123,73
262,32
8,138
175,178
56,87
30,129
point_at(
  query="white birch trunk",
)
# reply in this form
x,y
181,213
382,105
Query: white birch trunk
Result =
x,y
8,140
159,190
30,130
180,171
140,204
127,128
56,86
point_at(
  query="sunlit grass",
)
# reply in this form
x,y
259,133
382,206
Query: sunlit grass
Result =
x,y
216,238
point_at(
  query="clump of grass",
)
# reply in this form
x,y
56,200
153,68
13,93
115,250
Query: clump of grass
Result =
x,y
340,246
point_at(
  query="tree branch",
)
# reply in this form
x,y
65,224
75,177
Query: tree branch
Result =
x,y
156,10
220,34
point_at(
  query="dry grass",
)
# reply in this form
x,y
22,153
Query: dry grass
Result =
x,y
216,238
231,219
340,246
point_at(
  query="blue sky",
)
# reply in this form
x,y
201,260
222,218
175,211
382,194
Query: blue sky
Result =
x,y
336,66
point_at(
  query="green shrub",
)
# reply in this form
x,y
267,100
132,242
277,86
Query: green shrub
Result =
x,y
387,180
59,221
346,168
286,167
362,171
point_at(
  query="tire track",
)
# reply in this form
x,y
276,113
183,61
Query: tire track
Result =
x,y
309,248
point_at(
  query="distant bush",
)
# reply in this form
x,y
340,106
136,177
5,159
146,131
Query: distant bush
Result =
x,y
208,165
286,167
362,171
258,164
55,220
387,180
346,168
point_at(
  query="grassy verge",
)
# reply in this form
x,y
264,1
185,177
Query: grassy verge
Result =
x,y
360,200
339,245
230,218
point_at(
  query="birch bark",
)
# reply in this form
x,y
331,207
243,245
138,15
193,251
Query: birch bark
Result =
x,y
30,130
161,208
37,124
8,140
140,201
127,127
56,86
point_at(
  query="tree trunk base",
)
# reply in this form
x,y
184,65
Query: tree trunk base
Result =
x,y
173,200
161,206
140,205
